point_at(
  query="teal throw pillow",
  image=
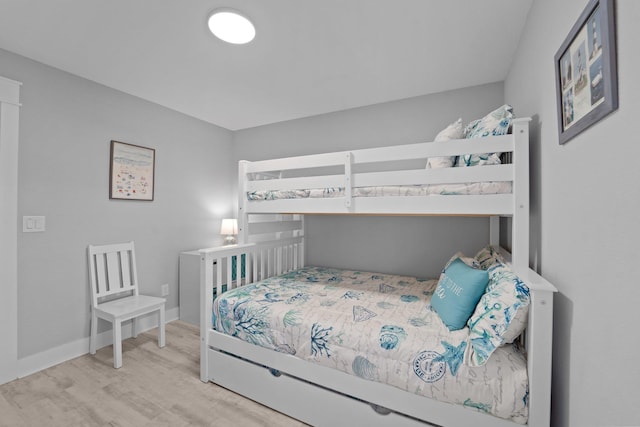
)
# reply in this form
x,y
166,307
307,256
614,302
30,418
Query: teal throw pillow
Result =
x,y
458,292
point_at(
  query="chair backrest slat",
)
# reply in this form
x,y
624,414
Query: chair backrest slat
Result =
x,y
98,273
112,270
126,272
114,280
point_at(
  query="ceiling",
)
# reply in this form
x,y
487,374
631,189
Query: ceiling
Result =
x,y
308,57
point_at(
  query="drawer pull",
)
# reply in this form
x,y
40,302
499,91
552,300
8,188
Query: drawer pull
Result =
x,y
380,409
275,372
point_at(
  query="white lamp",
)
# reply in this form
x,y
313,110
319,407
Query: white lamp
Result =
x,y
229,228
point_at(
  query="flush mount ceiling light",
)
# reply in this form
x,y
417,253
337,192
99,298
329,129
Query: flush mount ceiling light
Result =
x,y
231,26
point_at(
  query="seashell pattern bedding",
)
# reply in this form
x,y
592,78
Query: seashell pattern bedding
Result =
x,y
488,187
378,327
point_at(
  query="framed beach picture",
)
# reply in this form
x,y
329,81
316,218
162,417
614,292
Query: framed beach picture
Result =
x,y
131,171
586,71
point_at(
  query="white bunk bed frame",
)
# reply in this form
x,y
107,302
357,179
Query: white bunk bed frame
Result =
x,y
272,240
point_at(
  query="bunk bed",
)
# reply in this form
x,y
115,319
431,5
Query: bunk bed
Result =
x,y
275,195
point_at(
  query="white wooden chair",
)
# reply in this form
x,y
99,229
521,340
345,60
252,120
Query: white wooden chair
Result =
x,y
114,294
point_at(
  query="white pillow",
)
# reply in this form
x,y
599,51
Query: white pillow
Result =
x,y
453,131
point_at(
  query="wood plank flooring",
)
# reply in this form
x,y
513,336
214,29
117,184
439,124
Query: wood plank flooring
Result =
x,y
154,387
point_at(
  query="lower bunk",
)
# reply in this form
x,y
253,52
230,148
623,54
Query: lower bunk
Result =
x,y
347,361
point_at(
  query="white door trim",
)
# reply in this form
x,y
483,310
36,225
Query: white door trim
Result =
x,y
9,119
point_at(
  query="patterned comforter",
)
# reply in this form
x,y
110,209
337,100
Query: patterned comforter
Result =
x,y
378,327
489,187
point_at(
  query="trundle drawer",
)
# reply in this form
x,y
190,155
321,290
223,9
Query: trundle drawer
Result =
x,y
297,398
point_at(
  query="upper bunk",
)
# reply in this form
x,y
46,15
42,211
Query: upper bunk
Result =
x,y
394,180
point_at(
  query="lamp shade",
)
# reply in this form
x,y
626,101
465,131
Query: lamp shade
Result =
x,y
229,227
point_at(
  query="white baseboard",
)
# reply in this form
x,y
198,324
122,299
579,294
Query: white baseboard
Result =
x,y
43,360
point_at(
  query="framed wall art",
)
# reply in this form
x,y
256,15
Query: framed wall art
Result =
x,y
131,172
586,71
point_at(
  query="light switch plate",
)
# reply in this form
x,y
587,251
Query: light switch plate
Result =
x,y
33,224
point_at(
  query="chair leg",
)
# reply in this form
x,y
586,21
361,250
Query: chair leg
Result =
x,y
161,338
94,333
117,344
134,328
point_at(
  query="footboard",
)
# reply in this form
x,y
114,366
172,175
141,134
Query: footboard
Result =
x,y
240,265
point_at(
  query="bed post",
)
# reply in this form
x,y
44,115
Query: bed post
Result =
x,y
348,194
520,236
494,231
243,217
539,341
206,297
301,252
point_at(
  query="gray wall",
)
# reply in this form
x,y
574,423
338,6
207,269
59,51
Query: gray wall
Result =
x,y
410,245
585,229
66,125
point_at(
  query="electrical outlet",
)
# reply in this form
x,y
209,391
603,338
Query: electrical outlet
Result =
x,y
164,289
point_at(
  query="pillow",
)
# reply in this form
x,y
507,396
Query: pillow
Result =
x,y
495,123
500,316
453,131
458,291
487,257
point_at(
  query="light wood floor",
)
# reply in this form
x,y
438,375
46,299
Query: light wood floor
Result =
x,y
154,387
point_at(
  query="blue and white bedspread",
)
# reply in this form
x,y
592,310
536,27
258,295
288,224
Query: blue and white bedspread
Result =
x,y
378,327
471,188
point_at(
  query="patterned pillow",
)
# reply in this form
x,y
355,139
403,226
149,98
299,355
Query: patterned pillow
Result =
x,y
495,123
487,257
500,316
458,291
453,131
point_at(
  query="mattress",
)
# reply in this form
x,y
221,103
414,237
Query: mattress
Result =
x,y
489,187
378,327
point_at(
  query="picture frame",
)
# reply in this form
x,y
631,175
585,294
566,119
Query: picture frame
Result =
x,y
586,71
131,172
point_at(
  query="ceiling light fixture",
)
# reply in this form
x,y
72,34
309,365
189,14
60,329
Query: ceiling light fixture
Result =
x,y
231,26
